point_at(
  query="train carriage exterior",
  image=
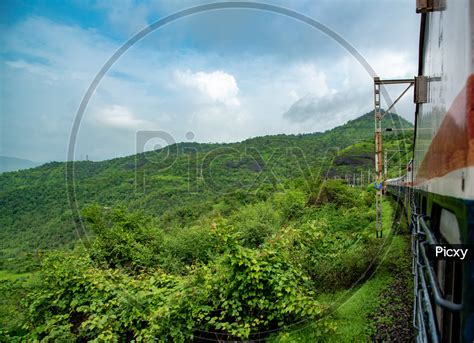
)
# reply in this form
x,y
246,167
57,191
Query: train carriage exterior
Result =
x,y
439,186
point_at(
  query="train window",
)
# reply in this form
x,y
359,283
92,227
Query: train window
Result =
x,y
423,205
449,227
449,274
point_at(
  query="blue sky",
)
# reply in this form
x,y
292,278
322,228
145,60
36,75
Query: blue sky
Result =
x,y
224,75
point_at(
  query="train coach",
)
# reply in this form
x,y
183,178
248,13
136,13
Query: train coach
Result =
x,y
438,188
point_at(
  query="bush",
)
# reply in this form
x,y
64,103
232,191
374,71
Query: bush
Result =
x,y
252,292
75,300
123,239
344,270
333,249
187,246
256,223
244,292
335,192
290,203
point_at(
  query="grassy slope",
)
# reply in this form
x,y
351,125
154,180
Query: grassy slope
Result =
x,y
12,293
353,320
5,275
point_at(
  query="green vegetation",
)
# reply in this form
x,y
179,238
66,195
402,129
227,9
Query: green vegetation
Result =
x,y
177,184
378,308
245,242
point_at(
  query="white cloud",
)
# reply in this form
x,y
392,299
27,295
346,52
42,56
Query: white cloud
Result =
x,y
218,123
393,64
216,86
35,69
119,117
310,80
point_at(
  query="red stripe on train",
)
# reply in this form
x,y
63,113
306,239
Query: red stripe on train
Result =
x,y
452,147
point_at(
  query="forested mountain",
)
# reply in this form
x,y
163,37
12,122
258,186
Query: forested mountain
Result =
x,y
250,240
181,182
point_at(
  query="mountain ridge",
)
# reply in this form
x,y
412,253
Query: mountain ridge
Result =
x,y
177,184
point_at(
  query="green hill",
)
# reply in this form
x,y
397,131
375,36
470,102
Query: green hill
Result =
x,y
242,241
180,183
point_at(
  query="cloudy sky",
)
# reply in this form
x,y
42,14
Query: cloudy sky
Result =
x,y
223,75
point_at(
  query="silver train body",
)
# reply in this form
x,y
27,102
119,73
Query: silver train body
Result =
x,y
438,188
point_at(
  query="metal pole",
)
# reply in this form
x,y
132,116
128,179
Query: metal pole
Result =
x,y
378,157
378,143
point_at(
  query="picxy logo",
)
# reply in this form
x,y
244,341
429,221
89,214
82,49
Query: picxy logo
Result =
x,y
442,251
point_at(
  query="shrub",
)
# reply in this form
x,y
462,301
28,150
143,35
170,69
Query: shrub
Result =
x,y
74,300
255,223
123,239
187,246
290,203
335,192
254,291
334,250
